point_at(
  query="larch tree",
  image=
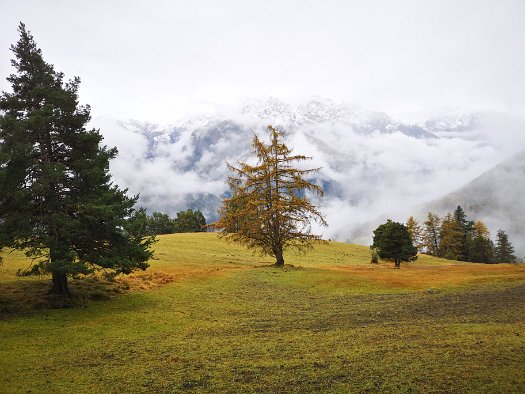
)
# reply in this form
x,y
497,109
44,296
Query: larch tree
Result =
x,y
451,238
480,229
58,202
415,232
269,209
431,234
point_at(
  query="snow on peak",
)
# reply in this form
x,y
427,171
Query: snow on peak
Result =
x,y
455,122
273,111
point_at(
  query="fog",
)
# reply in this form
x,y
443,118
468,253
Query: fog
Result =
x,y
161,60
367,176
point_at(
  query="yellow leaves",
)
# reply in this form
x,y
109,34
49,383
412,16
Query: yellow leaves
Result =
x,y
481,230
268,209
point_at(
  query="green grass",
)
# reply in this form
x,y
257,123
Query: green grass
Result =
x,y
229,322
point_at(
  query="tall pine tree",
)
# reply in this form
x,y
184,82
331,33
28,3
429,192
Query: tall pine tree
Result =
x,y
57,202
504,251
466,228
481,245
392,241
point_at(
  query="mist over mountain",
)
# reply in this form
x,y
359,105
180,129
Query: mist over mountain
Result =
x,y
373,166
496,197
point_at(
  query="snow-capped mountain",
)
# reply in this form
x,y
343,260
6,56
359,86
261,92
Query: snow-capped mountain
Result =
x,y
317,111
457,122
325,111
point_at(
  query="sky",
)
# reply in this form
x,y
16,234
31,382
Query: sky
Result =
x,y
160,60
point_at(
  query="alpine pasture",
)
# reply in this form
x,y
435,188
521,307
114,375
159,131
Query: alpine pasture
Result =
x,y
208,316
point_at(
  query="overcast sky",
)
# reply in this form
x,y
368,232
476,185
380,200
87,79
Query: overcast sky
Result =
x,y
161,60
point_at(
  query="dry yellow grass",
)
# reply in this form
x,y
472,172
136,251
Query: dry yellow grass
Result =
x,y
180,257
419,277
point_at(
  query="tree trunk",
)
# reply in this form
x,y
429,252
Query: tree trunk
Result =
x,y
398,263
59,285
279,259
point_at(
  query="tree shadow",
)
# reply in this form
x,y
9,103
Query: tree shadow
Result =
x,y
27,295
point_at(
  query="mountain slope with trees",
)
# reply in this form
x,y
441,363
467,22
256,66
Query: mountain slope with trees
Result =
x,y
455,237
495,197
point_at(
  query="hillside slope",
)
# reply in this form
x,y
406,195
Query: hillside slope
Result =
x,y
230,322
496,197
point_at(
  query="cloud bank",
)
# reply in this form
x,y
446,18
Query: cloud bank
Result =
x,y
373,167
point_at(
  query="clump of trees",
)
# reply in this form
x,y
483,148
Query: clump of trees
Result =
x,y
456,237
188,221
393,241
58,202
269,209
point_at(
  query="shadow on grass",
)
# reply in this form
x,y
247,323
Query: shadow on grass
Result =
x,y
26,295
286,267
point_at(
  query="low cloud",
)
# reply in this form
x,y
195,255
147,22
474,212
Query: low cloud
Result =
x,y
368,176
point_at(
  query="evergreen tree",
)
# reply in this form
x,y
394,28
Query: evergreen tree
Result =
x,y
431,234
160,223
415,231
268,209
190,221
451,238
504,251
57,202
482,248
392,241
466,228
460,217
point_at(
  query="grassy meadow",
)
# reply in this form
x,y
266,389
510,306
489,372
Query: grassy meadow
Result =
x,y
211,317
